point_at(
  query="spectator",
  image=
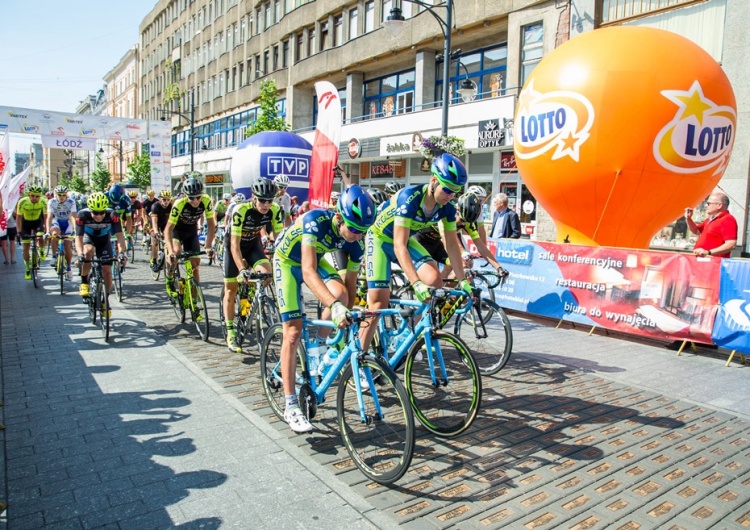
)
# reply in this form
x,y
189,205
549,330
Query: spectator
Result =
x,y
505,222
717,234
304,207
9,237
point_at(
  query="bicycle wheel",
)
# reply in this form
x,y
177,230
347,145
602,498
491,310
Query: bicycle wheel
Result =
x,y
178,303
103,303
446,408
222,320
382,445
159,266
91,301
60,269
131,251
490,344
34,265
482,282
117,280
198,310
270,369
268,315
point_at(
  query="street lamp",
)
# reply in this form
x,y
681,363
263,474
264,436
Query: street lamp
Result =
x,y
468,88
394,23
119,152
190,119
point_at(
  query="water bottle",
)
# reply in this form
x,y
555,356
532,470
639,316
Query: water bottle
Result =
x,y
244,307
181,286
329,359
313,359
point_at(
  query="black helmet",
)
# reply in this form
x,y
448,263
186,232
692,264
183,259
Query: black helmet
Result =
x,y
192,186
378,196
469,207
264,188
393,187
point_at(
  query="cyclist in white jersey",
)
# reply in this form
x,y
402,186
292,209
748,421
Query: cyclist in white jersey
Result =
x,y
283,199
61,213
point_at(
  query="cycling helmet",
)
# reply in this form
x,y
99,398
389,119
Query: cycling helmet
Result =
x,y
98,202
132,194
393,187
449,171
192,186
60,190
193,175
469,207
226,197
37,190
150,193
282,181
238,198
479,191
378,196
357,208
335,196
74,195
264,188
165,194
116,192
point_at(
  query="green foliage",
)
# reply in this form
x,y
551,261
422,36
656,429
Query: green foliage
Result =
x,y
100,177
63,179
139,171
77,183
268,116
172,91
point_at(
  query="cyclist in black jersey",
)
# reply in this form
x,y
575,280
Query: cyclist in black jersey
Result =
x,y
159,215
181,231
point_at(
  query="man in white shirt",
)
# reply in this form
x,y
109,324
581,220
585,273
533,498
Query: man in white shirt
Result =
x,y
283,199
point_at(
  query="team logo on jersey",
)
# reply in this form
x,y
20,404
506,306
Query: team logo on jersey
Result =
x,y
311,226
699,137
557,121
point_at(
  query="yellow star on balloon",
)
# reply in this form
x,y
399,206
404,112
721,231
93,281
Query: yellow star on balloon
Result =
x,y
694,104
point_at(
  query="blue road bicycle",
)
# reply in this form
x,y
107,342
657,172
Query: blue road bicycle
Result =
x,y
373,413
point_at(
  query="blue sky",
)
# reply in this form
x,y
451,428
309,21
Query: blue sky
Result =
x,y
56,52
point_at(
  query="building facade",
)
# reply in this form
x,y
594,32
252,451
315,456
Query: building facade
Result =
x,y
206,59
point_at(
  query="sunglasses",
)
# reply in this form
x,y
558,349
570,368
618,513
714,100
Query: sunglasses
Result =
x,y
194,197
449,191
165,199
34,196
98,212
264,201
354,230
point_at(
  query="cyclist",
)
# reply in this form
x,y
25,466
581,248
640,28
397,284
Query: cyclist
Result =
x,y
181,231
94,228
282,197
30,214
159,217
220,211
61,214
297,259
120,203
390,240
136,208
392,187
243,248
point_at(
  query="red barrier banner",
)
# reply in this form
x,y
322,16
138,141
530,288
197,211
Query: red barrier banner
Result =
x,y
664,295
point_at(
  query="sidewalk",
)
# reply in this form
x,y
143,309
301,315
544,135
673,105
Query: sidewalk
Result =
x,y
160,430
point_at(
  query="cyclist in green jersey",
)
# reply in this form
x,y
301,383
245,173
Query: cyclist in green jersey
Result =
x,y
31,211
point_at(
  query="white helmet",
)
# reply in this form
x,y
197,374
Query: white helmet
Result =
x,y
238,198
226,197
282,181
479,191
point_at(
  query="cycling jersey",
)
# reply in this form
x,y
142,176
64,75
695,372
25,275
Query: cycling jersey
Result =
x,y
247,221
316,229
30,211
285,202
122,207
406,208
162,215
91,229
61,213
184,214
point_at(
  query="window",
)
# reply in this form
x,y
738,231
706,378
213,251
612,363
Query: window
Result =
x,y
275,58
277,10
386,9
338,30
369,16
298,48
532,49
323,35
310,42
285,54
268,16
353,22
266,55
389,95
288,6
486,69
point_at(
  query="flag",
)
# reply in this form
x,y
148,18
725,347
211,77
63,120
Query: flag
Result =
x,y
325,151
4,157
11,190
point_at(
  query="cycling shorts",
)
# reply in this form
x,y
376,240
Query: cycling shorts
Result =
x,y
379,255
188,237
102,246
434,247
252,253
287,276
30,228
65,227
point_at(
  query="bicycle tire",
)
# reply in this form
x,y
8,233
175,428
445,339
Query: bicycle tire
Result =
x,y
268,316
241,324
491,353
131,251
103,303
270,369
222,320
35,266
481,282
199,311
60,268
382,448
446,409
178,303
91,302
117,280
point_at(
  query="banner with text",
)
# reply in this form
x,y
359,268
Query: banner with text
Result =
x,y
732,327
648,293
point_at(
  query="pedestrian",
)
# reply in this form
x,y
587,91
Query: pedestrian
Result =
x,y
505,222
717,234
304,207
9,237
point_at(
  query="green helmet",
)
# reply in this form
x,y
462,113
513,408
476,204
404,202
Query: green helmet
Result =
x,y
98,202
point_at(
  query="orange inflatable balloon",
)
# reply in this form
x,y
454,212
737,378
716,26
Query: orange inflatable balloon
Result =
x,y
619,129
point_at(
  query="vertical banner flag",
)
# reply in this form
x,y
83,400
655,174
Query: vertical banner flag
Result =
x,y
4,156
11,190
325,151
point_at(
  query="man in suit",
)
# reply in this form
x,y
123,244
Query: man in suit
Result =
x,y
505,222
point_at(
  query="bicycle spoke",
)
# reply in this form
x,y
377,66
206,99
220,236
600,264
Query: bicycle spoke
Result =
x,y
198,310
491,343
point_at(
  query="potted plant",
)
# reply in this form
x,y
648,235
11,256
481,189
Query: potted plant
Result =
x,y
437,145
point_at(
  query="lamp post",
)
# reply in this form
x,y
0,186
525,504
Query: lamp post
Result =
x,y
190,119
119,153
468,89
394,23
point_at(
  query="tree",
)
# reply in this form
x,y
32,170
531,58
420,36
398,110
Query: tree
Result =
x,y
100,177
77,183
268,116
139,171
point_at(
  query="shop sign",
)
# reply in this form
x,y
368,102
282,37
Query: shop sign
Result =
x,y
403,144
354,148
214,179
508,162
381,170
490,134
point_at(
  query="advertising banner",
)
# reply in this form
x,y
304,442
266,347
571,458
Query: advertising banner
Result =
x,y
732,327
662,295
325,151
